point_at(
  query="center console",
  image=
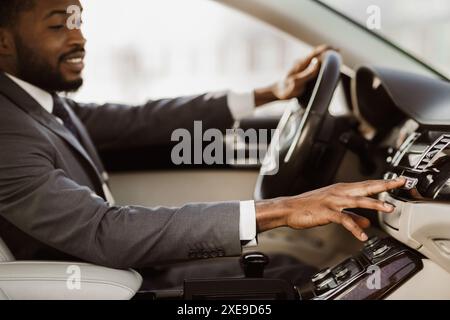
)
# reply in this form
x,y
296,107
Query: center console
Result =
x,y
377,270
418,227
373,273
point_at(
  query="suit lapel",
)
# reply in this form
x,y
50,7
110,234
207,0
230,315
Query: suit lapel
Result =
x,y
23,100
87,143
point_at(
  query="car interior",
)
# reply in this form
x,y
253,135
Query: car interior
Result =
x,y
374,112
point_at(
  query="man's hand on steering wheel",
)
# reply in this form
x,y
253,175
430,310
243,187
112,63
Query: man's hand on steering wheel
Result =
x,y
293,85
326,205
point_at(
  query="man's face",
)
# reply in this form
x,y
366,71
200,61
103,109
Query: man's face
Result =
x,y
48,53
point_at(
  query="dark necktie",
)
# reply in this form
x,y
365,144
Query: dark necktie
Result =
x,y
60,111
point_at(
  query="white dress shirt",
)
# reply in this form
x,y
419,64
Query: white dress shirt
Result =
x,y
240,104
43,98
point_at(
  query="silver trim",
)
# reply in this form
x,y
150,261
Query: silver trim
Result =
x,y
430,154
404,148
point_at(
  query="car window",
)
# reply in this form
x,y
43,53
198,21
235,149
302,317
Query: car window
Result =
x,y
422,27
150,49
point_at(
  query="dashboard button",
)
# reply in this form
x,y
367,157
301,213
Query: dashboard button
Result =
x,y
369,243
320,275
390,176
380,251
325,285
410,183
342,273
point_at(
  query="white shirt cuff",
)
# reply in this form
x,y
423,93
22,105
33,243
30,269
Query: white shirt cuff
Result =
x,y
241,104
247,223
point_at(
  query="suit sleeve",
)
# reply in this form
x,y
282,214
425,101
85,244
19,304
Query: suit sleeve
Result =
x,y
45,203
115,126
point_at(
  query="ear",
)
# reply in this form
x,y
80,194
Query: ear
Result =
x,y
7,45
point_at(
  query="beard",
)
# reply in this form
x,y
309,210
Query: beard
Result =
x,y
35,70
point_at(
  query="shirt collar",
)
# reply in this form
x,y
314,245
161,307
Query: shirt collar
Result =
x,y
42,97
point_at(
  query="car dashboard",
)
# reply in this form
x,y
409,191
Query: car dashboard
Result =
x,y
419,107
421,218
410,115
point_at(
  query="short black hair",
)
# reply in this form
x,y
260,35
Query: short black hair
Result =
x,y
10,10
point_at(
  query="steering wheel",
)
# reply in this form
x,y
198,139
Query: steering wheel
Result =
x,y
284,171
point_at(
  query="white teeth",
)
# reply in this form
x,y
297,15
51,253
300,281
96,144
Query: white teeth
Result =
x,y
75,60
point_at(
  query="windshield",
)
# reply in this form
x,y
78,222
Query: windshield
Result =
x,y
421,27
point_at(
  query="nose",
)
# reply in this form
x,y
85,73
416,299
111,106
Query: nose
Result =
x,y
76,38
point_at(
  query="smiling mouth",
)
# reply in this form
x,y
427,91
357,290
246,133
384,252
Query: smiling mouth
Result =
x,y
74,62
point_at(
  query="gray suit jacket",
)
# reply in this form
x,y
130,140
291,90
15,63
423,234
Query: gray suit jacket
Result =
x,y
52,204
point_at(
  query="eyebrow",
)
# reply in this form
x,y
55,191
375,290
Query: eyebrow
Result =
x,y
55,12
58,11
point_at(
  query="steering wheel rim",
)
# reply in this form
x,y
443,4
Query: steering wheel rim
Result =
x,y
287,154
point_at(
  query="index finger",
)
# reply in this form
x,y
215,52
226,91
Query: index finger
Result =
x,y
372,187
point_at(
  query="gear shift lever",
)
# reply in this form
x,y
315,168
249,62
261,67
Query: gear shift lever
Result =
x,y
253,264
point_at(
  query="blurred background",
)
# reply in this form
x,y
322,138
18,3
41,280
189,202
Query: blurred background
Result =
x,y
139,50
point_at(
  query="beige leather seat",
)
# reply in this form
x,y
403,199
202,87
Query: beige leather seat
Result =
x,y
32,280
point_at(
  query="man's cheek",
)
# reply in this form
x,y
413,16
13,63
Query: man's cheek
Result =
x,y
53,55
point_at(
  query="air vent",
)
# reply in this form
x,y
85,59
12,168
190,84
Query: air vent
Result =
x,y
432,153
